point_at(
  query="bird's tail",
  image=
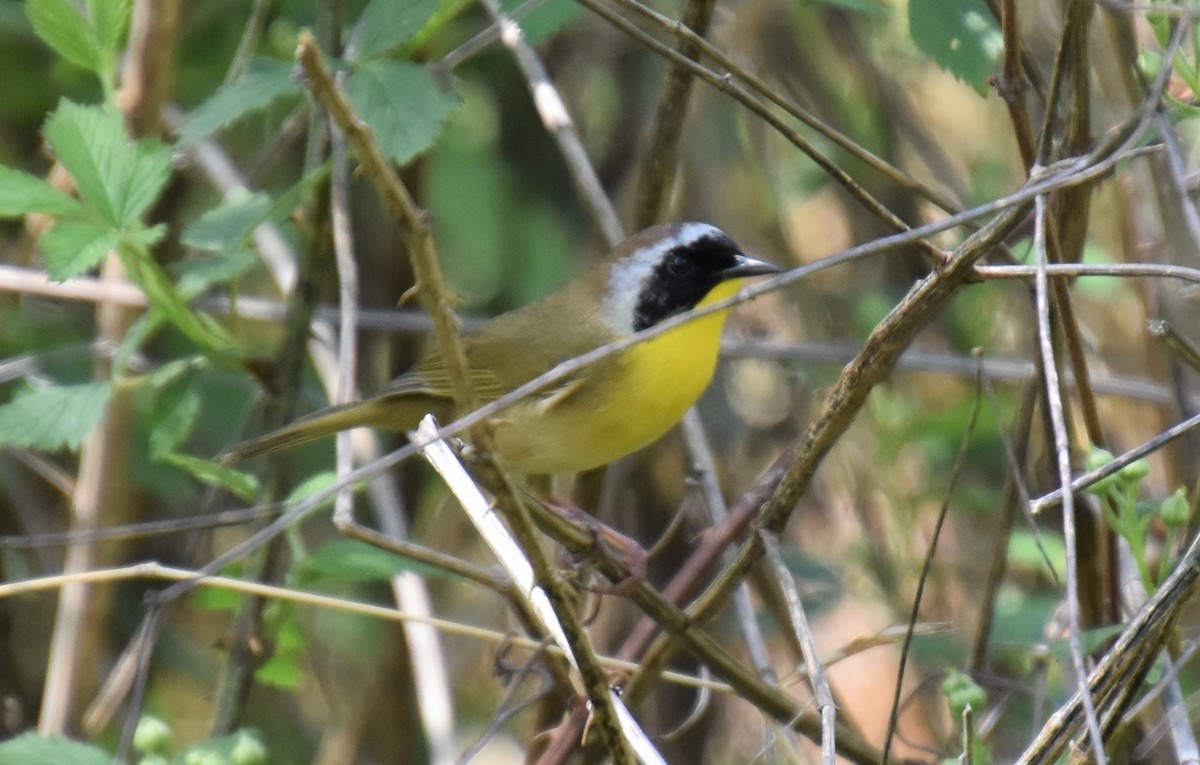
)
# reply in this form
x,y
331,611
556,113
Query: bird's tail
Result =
x,y
384,412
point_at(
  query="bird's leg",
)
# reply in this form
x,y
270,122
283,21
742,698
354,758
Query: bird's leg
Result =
x,y
610,542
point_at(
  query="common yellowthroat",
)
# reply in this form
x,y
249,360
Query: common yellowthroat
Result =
x,y
608,409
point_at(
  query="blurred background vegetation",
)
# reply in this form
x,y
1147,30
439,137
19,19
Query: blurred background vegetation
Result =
x,y
959,416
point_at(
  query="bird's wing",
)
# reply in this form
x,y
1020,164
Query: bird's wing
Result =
x,y
430,378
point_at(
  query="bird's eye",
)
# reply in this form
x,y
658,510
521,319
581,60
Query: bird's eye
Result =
x,y
679,265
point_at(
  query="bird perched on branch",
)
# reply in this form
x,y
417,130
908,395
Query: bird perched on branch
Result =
x,y
603,411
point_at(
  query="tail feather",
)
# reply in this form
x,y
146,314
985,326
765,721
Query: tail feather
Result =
x,y
323,423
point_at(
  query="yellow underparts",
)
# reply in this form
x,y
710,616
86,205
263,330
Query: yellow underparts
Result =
x,y
642,394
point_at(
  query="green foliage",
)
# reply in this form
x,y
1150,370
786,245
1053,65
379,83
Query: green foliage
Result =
x,y
241,484
90,41
387,25
961,691
54,417
344,561
960,35
244,747
117,179
282,669
264,81
402,103
545,18
21,194
1118,495
32,749
229,224
153,736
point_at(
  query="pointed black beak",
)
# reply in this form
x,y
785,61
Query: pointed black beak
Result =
x,y
748,266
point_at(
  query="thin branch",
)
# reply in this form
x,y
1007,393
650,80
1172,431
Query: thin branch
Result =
x,y
522,556
751,102
1054,498
816,672
1125,664
1063,461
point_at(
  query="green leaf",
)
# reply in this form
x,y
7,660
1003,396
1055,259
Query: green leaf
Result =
x,y
212,598
61,26
53,417
116,177
33,749
313,485
147,176
71,247
242,485
403,105
960,35
197,275
544,19
264,80
351,561
283,668
110,19
22,193
281,671
87,141
172,416
388,24
228,224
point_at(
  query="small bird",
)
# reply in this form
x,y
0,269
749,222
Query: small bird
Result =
x,y
605,410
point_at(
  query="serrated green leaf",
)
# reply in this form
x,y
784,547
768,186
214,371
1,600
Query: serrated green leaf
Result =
x,y
242,485
22,193
87,141
33,749
147,176
71,247
264,80
229,223
960,35
110,19
403,105
61,26
116,177
176,407
54,417
350,561
388,24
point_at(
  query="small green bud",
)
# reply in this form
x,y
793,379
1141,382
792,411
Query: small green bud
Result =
x,y
1135,471
960,690
204,757
153,736
248,750
1097,458
1175,510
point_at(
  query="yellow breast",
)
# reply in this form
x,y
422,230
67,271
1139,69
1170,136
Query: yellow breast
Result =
x,y
628,403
